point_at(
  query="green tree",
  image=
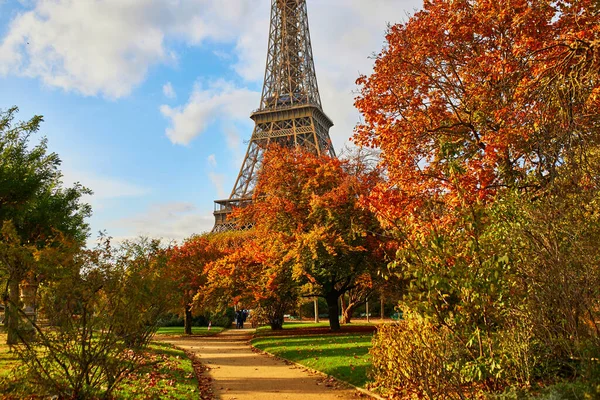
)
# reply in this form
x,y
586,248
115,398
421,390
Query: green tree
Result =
x,y
42,221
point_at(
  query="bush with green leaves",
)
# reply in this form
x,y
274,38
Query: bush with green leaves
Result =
x,y
102,316
518,306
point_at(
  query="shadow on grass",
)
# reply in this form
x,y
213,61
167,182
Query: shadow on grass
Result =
x,y
196,331
312,329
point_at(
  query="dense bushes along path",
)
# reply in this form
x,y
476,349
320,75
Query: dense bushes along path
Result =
x,y
241,374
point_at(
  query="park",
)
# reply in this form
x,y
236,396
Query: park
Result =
x,y
448,251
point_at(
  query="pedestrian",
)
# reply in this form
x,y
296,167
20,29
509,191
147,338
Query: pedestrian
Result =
x,y
239,319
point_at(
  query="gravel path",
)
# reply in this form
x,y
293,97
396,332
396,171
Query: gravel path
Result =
x,y
239,373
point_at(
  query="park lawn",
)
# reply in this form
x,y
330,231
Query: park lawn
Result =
x,y
8,360
302,324
170,376
344,356
196,330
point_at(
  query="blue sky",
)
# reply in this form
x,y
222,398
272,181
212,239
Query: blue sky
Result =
x,y
147,102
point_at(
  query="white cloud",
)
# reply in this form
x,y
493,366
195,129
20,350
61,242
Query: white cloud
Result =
x,y
233,139
104,187
220,100
218,180
87,46
107,46
222,55
212,161
169,221
168,90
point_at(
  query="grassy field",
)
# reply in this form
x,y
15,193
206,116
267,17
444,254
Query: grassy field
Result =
x,y
266,330
8,361
196,330
344,356
170,377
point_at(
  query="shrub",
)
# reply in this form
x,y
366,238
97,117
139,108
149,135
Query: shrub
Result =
x,y
103,315
414,359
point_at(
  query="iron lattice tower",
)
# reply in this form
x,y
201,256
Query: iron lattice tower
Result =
x,y
290,112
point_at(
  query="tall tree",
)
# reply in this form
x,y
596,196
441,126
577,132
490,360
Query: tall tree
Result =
x,y
470,97
480,106
311,205
41,220
187,267
254,275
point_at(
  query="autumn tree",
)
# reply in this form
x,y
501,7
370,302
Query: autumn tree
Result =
x,y
473,96
253,274
310,204
41,219
188,267
477,105
187,273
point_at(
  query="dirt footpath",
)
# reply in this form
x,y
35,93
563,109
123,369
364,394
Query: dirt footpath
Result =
x,y
238,373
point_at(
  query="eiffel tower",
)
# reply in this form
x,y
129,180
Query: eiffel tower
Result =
x,y
290,112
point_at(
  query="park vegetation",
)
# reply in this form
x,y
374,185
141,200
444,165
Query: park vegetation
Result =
x,y
477,207
487,116
78,321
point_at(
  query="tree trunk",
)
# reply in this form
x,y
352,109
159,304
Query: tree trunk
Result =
x,y
5,303
187,320
12,314
343,306
348,312
382,307
316,300
276,321
333,310
276,324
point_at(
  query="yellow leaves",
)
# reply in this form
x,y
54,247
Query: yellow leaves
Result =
x,y
15,257
9,233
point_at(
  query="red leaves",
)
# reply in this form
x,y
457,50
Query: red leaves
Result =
x,y
470,97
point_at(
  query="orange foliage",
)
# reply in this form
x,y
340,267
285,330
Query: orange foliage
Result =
x,y
470,97
189,262
306,209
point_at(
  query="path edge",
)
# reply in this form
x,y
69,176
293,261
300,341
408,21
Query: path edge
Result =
x,y
200,371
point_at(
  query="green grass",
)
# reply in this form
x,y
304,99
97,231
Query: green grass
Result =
x,y
301,324
8,360
170,377
196,330
344,356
